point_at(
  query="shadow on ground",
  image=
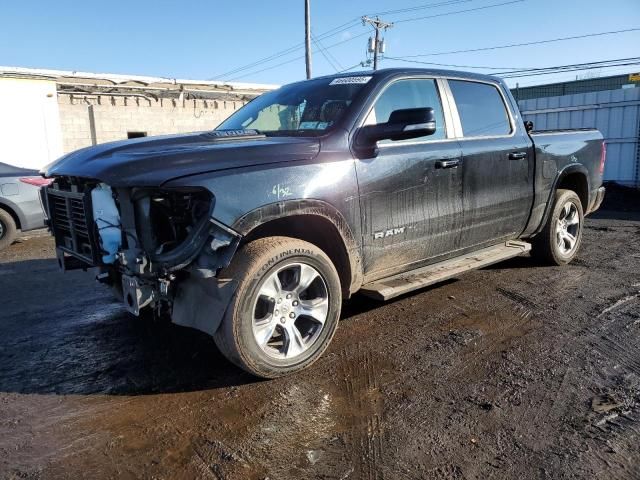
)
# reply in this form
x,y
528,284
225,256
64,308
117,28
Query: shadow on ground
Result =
x,y
96,347
63,334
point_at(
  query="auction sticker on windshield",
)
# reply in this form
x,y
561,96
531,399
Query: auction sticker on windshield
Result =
x,y
349,80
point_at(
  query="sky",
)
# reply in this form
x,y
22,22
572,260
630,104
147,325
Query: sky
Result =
x,y
192,39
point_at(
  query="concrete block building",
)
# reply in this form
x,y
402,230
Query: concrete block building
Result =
x,y
46,113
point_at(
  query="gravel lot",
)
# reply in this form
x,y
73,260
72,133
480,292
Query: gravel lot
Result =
x,y
514,371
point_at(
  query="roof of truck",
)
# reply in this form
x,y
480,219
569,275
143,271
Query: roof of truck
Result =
x,y
386,72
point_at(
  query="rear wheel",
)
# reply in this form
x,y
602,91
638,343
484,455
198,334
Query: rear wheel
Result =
x,y
285,309
8,229
560,239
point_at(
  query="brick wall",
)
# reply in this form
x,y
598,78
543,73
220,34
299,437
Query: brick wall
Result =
x,y
116,115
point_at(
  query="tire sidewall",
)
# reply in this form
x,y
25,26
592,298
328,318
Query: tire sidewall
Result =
x,y
9,231
561,201
244,300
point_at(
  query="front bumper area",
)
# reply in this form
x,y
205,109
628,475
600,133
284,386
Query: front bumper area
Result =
x,y
145,284
151,267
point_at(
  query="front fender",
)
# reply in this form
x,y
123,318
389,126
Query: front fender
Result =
x,y
248,197
312,207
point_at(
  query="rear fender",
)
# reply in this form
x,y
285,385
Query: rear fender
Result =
x,y
561,175
14,211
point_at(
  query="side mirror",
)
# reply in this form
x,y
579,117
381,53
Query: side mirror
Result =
x,y
402,125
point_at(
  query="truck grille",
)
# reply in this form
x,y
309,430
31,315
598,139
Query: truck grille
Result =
x,y
71,223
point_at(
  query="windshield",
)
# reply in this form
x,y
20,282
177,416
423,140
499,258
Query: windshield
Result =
x,y
305,108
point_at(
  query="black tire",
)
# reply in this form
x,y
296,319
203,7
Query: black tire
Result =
x,y
8,229
547,246
251,267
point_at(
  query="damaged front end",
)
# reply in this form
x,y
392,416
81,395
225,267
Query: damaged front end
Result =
x,y
158,248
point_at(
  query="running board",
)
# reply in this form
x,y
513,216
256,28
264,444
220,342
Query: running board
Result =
x,y
396,285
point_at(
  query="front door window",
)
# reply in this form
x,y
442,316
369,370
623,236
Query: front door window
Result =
x,y
403,94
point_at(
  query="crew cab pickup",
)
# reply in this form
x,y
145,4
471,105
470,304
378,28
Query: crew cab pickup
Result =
x,y
380,182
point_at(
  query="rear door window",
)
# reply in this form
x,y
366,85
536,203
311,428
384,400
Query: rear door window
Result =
x,y
411,93
481,108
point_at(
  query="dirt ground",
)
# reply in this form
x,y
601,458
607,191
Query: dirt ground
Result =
x,y
514,371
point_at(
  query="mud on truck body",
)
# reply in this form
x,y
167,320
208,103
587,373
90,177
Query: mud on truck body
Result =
x,y
380,182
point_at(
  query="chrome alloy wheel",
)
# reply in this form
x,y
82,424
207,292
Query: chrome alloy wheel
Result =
x,y
290,310
1,229
568,228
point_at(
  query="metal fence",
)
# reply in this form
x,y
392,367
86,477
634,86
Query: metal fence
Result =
x,y
616,113
576,86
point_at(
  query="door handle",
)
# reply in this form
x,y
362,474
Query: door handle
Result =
x,y
517,155
447,163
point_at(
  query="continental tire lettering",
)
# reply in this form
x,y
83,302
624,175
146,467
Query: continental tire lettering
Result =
x,y
273,260
267,265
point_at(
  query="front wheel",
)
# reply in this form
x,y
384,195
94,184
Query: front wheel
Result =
x,y
560,239
285,310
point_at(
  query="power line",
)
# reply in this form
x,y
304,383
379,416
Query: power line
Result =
x,y
273,57
419,7
331,56
322,51
574,69
511,45
459,11
330,33
267,68
483,67
617,70
346,26
335,31
360,64
299,57
620,62
516,72
629,59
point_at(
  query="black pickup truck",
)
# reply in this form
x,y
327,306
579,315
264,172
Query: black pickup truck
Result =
x,y
379,182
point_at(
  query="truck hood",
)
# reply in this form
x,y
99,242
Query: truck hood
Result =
x,y
153,161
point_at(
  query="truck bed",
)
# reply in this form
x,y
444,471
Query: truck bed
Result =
x,y
561,152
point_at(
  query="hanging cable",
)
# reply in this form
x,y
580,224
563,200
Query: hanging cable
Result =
x,y
344,27
482,67
512,45
426,17
324,53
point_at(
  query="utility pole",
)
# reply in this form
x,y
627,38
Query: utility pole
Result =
x,y
307,36
378,44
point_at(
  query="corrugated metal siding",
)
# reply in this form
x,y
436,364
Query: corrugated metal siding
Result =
x,y
616,113
574,86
